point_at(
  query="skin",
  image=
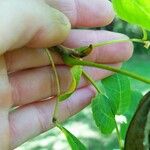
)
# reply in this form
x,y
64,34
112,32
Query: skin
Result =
x,y
26,80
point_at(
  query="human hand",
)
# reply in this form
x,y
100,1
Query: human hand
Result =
x,y
26,28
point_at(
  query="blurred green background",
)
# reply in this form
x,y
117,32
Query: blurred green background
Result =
x,y
82,124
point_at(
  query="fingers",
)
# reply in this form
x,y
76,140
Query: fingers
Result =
x,y
28,121
5,104
32,23
30,58
39,25
5,91
111,53
4,130
85,13
36,84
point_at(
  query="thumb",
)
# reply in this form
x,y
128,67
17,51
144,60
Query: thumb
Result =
x,y
30,23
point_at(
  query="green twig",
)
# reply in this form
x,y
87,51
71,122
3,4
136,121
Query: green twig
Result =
x,y
75,61
57,83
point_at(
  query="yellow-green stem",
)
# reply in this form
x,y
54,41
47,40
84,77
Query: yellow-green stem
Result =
x,y
57,83
92,82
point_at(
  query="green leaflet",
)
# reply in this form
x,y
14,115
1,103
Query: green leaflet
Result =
x,y
118,90
102,113
134,11
116,102
76,72
74,143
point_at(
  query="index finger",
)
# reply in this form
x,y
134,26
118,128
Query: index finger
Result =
x,y
91,13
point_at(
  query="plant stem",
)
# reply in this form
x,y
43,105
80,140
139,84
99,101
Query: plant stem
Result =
x,y
92,81
75,61
57,83
118,136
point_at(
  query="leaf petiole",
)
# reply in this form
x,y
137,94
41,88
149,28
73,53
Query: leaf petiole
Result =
x,y
92,82
54,118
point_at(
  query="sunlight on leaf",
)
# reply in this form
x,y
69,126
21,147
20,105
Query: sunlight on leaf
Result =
x,y
134,11
76,72
121,119
74,143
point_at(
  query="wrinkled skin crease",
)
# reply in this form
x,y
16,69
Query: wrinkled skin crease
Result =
x,y
5,105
